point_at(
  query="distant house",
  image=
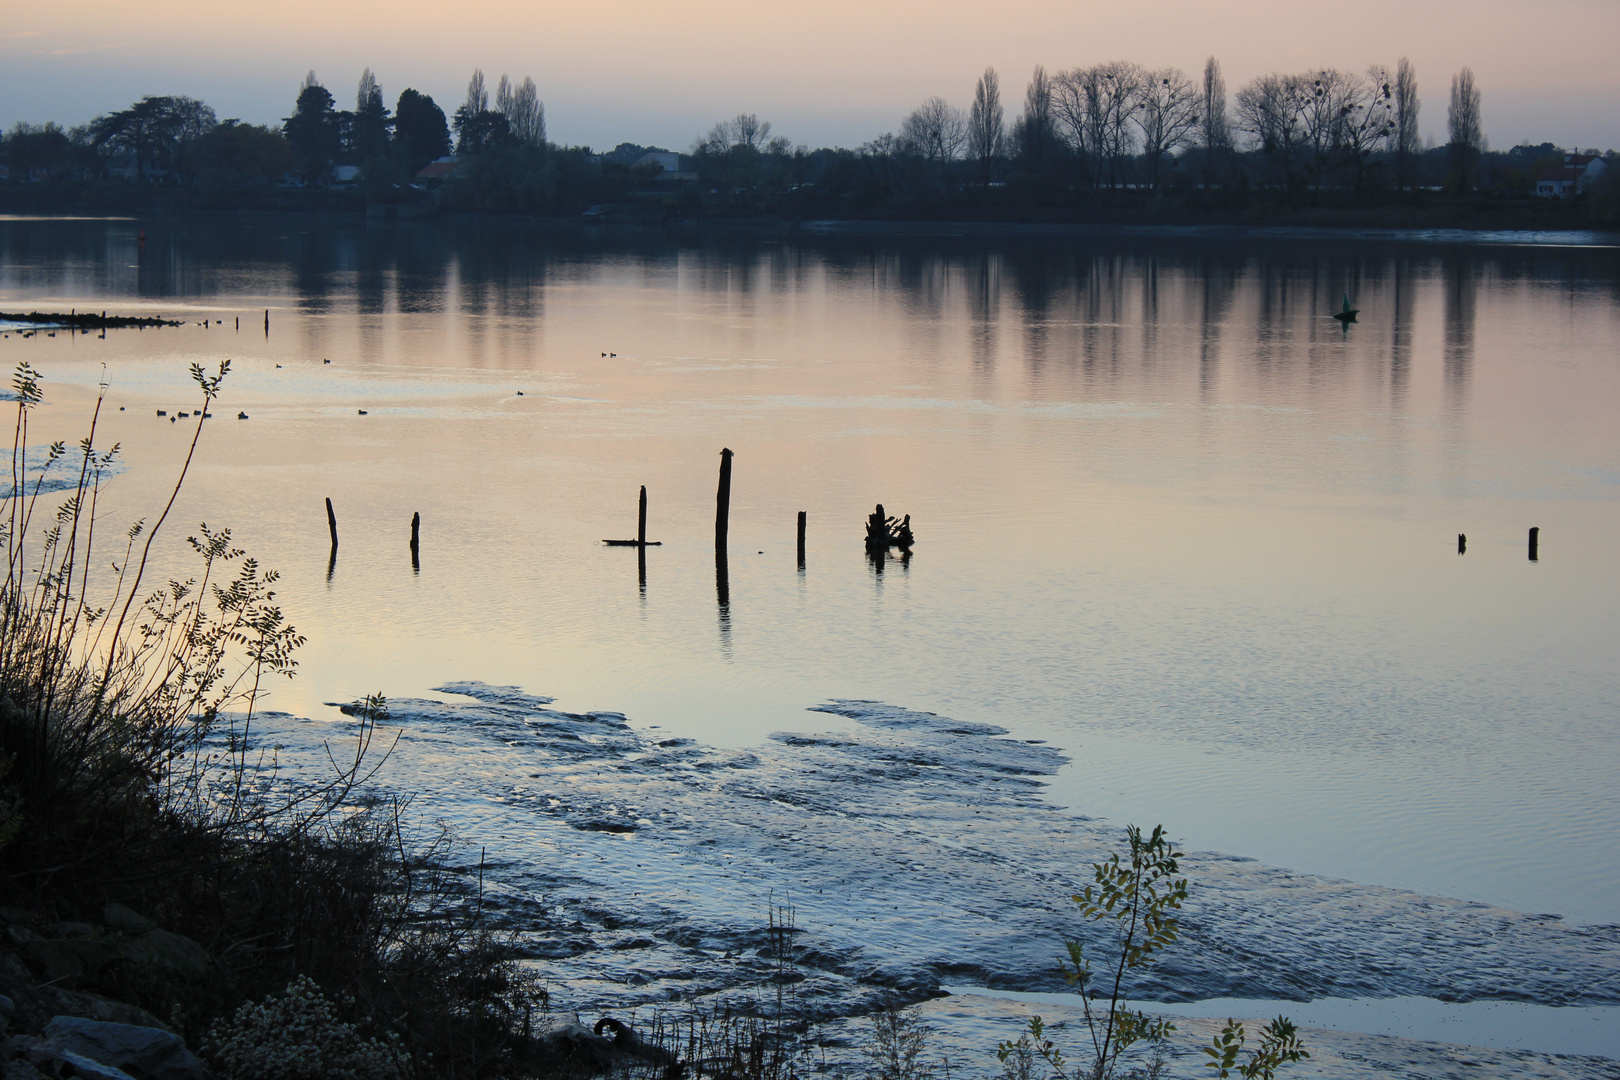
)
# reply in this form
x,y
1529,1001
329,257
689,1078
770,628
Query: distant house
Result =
x,y
1579,172
664,159
345,175
667,163
435,172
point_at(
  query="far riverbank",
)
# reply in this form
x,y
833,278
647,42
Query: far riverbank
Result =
x,y
1226,214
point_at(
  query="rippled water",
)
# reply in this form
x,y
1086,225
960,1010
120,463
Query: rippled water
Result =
x,y
1172,519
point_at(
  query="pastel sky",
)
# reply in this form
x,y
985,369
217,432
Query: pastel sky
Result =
x,y
829,72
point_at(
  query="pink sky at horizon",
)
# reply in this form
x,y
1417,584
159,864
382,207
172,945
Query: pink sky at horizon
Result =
x,y
838,74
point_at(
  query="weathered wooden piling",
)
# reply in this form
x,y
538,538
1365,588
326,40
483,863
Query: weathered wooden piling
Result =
x,y
801,539
1462,543
722,503
416,536
266,322
331,524
1535,542
641,540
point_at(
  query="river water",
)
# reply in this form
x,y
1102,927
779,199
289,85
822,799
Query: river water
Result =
x,y
1178,530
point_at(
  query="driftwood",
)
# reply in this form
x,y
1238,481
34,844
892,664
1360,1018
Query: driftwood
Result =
x,y
883,533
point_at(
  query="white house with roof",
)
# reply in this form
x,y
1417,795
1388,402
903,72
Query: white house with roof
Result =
x,y
1579,172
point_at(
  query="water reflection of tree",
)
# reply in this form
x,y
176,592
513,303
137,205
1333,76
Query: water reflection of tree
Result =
x,y
984,308
1460,288
1217,280
1403,306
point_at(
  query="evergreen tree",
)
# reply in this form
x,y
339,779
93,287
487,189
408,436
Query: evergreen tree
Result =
x,y
421,133
315,131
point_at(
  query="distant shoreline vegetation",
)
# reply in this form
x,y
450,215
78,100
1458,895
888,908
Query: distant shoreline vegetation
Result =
x,y
1111,144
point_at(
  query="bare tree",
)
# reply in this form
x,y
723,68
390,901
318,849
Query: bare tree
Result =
x,y
1269,111
750,131
1406,121
1035,132
1095,105
528,115
1166,113
525,113
477,95
1067,103
1368,122
745,129
1329,96
936,131
1212,109
368,91
1463,125
985,123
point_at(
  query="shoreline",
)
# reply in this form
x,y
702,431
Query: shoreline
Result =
x,y
1442,220
1435,234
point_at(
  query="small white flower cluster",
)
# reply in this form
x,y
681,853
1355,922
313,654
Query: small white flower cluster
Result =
x,y
297,1035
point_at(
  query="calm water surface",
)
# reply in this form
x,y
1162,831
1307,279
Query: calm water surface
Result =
x,y
1171,517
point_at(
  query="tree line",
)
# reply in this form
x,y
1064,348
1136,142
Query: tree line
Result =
x,y
1106,135
1119,125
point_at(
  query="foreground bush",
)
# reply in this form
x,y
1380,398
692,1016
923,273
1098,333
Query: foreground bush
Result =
x,y
132,797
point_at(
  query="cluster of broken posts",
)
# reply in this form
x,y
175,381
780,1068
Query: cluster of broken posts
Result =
x,y
883,533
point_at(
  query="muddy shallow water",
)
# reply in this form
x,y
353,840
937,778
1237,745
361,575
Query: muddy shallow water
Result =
x,y
915,852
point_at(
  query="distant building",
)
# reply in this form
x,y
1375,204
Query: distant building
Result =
x,y
440,170
666,160
668,164
345,175
1579,172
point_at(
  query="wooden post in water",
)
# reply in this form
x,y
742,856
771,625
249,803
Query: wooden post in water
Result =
x,y
1462,543
416,533
722,587
1535,542
266,322
801,539
331,524
722,503
641,541
239,323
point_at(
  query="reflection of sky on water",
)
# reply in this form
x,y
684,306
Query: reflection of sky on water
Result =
x,y
1170,516
43,474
